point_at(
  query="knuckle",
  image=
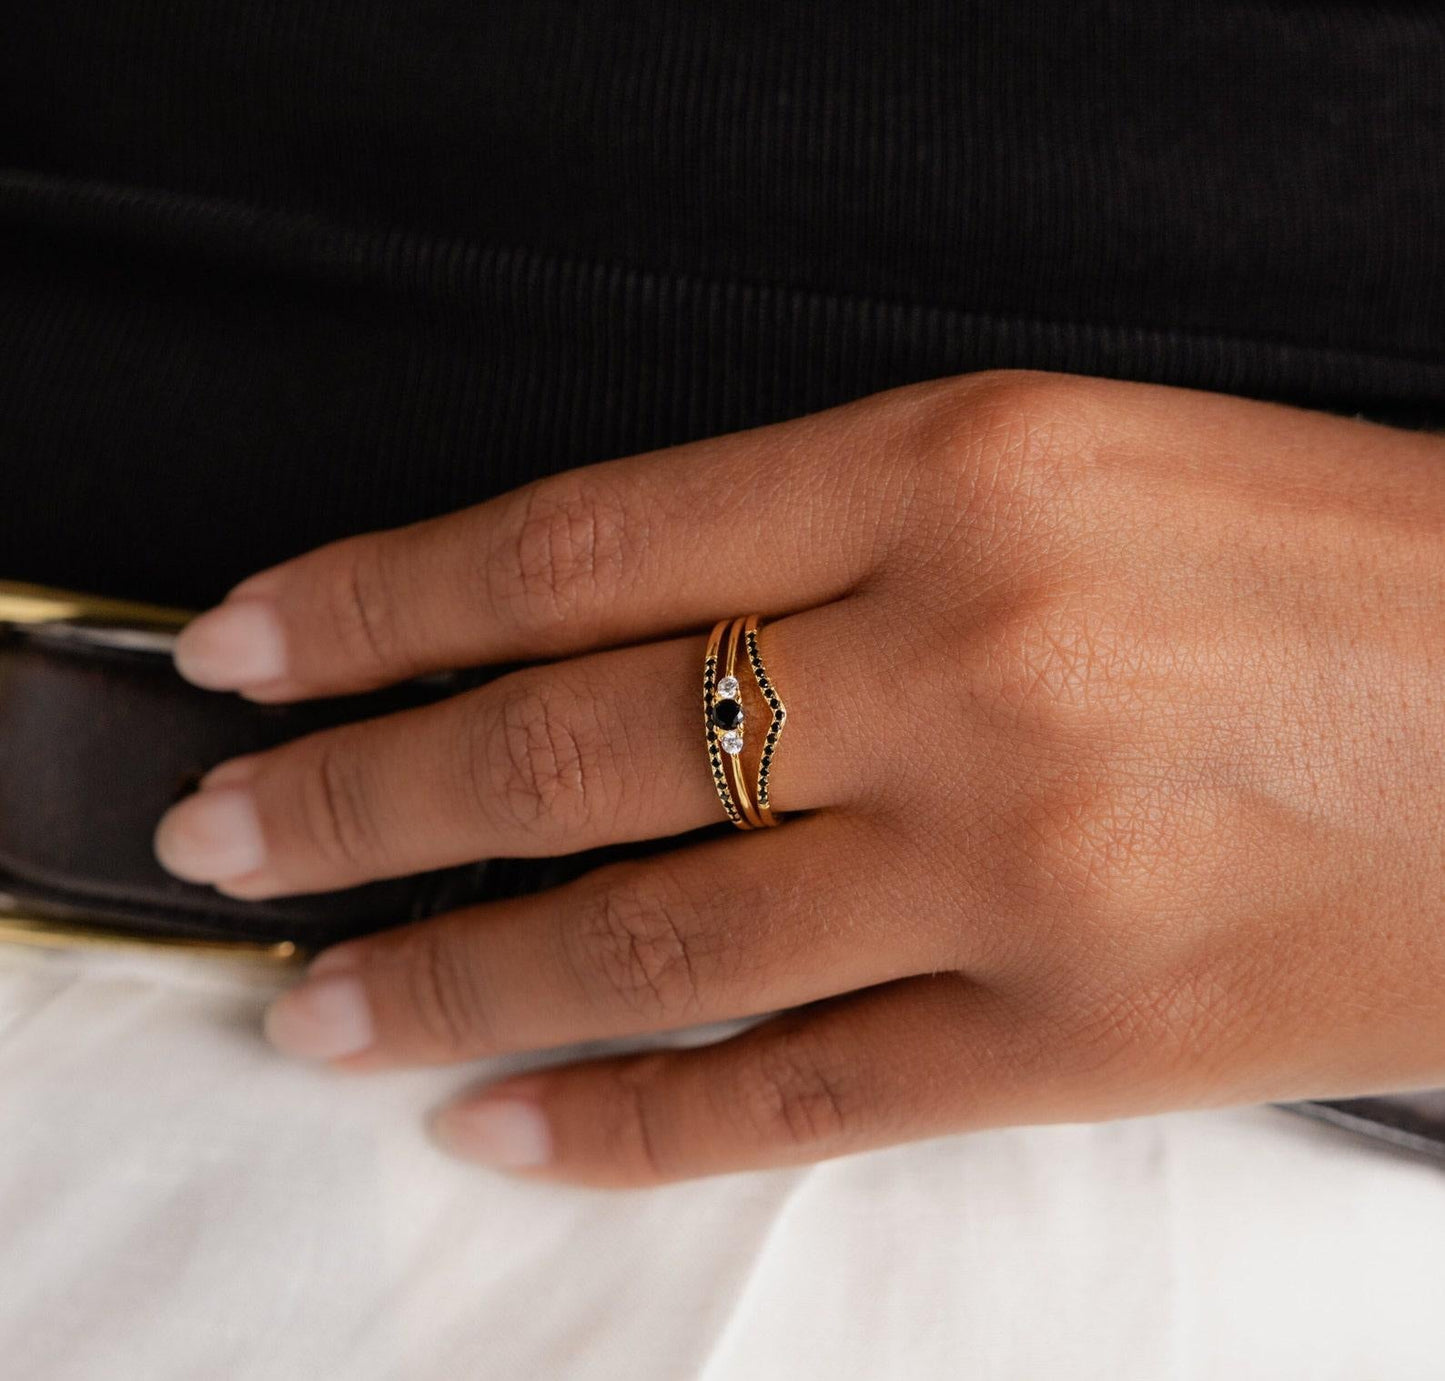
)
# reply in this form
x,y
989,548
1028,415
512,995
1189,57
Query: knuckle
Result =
x,y
1052,668
1100,835
791,1093
336,809
1104,853
1088,855
1093,835
1025,392
634,946
538,752
561,551
1004,437
362,612
440,991
632,1135
1181,1025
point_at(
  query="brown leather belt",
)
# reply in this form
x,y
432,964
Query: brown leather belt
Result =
x,y
98,736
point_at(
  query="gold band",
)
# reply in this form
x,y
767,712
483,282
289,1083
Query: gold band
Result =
x,y
733,762
724,717
714,747
775,725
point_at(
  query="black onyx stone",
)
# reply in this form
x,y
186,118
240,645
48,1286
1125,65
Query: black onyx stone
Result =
x,y
727,714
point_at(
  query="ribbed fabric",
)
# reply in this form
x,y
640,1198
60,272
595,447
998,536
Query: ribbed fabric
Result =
x,y
273,273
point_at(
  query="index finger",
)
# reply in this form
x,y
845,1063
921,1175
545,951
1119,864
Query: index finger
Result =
x,y
768,520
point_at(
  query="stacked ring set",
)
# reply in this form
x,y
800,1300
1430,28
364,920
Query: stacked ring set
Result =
x,y
732,641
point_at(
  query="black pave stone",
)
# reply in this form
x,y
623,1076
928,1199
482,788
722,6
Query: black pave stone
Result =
x,y
727,714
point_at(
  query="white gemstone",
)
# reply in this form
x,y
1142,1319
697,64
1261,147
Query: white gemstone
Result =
x,y
732,742
727,688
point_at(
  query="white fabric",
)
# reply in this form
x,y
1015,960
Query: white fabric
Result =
x,y
178,1202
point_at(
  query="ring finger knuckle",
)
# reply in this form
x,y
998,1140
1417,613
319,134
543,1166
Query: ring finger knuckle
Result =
x,y
634,947
336,810
440,993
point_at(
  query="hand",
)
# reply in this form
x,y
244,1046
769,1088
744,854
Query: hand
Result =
x,y
1115,740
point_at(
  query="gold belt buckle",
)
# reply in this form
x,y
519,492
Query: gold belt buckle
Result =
x,y
99,621
19,928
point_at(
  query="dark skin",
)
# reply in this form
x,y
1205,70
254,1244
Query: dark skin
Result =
x,y
1115,753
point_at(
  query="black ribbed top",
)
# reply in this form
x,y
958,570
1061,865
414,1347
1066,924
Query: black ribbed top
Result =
x,y
277,272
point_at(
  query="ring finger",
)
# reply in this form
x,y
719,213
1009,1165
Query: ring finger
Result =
x,y
553,759
726,928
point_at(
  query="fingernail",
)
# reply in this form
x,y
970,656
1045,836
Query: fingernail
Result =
x,y
211,836
324,1019
237,644
504,1133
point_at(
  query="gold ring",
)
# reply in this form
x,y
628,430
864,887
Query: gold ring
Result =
x,y
724,717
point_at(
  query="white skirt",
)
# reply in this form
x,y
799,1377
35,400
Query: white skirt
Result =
x,y
178,1202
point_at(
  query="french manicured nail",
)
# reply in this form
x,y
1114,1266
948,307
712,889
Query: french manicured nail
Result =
x,y
237,644
326,1018
504,1133
211,836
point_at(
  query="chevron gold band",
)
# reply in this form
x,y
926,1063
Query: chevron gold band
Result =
x,y
775,725
724,719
